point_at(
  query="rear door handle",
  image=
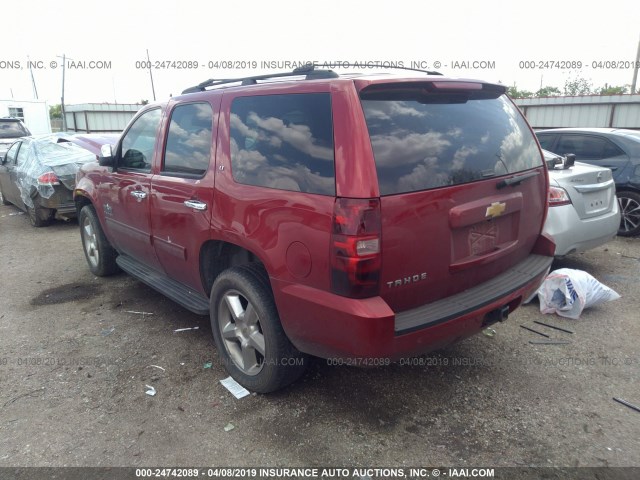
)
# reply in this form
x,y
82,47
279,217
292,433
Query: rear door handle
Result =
x,y
195,204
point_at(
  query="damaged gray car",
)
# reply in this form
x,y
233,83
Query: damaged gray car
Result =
x,y
38,174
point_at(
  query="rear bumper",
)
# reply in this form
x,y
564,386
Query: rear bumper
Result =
x,y
61,201
572,234
330,326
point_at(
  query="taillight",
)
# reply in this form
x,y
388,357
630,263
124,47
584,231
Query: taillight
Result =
x,y
558,196
48,178
355,247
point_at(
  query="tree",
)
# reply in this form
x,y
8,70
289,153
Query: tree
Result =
x,y
144,102
513,92
548,92
55,111
611,90
578,86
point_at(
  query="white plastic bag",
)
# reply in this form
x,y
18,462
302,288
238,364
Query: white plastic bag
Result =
x,y
567,292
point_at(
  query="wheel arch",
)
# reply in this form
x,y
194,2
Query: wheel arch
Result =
x,y
81,200
218,255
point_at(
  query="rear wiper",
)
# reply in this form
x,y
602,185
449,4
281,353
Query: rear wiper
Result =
x,y
518,179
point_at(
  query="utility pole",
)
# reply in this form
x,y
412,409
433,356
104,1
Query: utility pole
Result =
x,y
635,70
64,116
153,90
33,80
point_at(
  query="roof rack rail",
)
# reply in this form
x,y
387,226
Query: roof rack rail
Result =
x,y
428,72
308,70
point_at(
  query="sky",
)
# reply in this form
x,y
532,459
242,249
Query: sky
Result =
x,y
529,44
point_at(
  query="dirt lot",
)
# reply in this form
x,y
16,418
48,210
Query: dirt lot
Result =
x,y
74,362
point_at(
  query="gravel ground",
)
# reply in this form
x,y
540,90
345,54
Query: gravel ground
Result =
x,y
75,360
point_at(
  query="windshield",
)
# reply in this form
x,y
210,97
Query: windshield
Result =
x,y
12,129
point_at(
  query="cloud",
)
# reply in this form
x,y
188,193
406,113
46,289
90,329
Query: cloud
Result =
x,y
297,135
392,150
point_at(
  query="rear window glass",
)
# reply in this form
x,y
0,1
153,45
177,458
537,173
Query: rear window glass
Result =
x,y
426,140
11,129
283,142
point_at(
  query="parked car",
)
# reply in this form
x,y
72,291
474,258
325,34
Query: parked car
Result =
x,y
360,219
583,211
10,130
613,148
38,173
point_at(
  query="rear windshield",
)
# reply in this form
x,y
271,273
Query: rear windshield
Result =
x,y
424,140
12,130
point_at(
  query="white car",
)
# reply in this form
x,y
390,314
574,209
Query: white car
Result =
x,y
10,130
583,209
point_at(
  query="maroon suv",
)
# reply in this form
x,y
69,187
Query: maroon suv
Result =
x,y
347,217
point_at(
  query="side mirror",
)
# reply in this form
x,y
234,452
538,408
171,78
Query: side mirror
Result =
x,y
3,159
106,158
570,160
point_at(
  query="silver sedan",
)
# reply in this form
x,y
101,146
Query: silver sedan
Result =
x,y
583,210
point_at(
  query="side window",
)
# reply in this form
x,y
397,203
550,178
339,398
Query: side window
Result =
x,y
139,141
23,153
611,150
13,153
188,148
284,142
546,141
588,147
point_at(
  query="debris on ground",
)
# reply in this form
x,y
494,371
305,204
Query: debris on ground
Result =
x,y
549,342
186,329
627,404
552,326
156,366
138,313
228,427
107,331
567,292
234,387
207,365
489,332
150,391
534,331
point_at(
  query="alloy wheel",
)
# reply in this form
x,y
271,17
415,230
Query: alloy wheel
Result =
x,y
90,242
241,332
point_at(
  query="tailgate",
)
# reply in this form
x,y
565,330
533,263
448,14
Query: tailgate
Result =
x,y
463,187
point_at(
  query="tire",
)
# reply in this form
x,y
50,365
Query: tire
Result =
x,y
39,216
100,255
257,352
629,213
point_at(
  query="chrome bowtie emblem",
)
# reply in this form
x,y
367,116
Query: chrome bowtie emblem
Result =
x,y
495,209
